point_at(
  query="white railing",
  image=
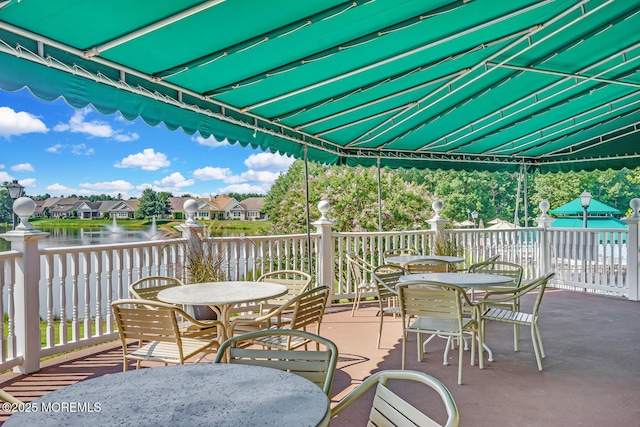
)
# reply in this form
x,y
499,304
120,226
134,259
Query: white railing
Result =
x,y
79,283
592,260
518,245
371,246
8,352
247,258
73,286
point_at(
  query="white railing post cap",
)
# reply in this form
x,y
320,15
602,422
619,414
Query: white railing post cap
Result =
x,y
190,207
24,207
634,204
324,207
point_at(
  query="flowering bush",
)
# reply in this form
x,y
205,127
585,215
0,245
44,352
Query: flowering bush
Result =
x,y
353,195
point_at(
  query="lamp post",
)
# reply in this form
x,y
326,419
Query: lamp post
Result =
x,y
585,201
15,192
468,214
474,215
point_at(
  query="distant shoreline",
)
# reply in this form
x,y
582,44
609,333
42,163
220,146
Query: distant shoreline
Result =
x,y
216,226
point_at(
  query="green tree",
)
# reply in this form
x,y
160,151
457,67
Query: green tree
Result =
x,y
6,207
98,198
153,204
614,188
490,194
241,196
353,195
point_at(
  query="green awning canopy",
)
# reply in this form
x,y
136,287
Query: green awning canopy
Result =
x,y
596,207
486,84
601,222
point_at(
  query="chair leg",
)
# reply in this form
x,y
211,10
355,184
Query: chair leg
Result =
x,y
540,340
460,359
535,345
427,341
484,345
356,302
404,348
445,356
481,348
380,329
420,347
486,348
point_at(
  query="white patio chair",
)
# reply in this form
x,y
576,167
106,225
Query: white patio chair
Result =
x,y
436,309
491,311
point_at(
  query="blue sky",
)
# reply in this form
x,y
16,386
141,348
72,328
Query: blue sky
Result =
x,y
50,147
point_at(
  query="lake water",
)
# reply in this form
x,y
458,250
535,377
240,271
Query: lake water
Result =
x,y
61,236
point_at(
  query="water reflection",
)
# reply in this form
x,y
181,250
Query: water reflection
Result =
x,y
114,233
62,236
80,237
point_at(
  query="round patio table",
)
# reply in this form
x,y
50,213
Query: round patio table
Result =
x,y
212,394
222,296
464,280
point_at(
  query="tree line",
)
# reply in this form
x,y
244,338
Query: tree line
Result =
x,y
407,195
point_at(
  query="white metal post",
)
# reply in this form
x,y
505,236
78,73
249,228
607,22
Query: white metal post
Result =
x,y
325,261
633,258
544,222
437,223
25,239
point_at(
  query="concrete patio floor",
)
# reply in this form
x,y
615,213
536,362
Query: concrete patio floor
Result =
x,y
591,374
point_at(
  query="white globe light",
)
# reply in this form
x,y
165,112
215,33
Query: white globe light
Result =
x,y
190,206
544,206
324,207
24,207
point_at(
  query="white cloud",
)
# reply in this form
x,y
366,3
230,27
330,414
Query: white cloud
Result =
x,y
55,148
109,186
148,160
173,183
81,150
59,189
268,162
210,142
126,138
141,187
253,176
113,188
28,182
210,173
25,182
264,169
1,166
244,188
77,124
22,167
93,128
19,123
175,180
